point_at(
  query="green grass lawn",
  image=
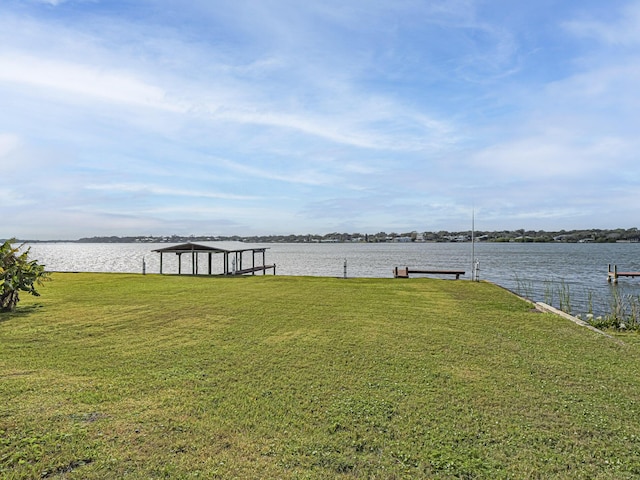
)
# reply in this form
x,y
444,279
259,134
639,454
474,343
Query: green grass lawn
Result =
x,y
130,376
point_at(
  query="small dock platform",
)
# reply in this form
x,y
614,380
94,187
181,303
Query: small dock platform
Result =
x,y
613,275
253,270
404,272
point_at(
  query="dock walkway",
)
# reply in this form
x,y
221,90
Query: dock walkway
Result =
x,y
253,270
612,275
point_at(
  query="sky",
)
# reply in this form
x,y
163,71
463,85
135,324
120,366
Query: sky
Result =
x,y
260,117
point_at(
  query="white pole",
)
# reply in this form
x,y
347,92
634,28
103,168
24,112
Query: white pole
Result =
x,y
473,244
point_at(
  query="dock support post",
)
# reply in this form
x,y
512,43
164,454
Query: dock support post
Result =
x,y
612,275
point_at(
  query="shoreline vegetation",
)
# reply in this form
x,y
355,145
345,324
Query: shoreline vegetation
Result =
x,y
622,312
163,376
630,235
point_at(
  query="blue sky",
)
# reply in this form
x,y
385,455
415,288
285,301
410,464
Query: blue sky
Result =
x,y
153,117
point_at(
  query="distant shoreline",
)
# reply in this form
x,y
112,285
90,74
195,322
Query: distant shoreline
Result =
x,y
630,235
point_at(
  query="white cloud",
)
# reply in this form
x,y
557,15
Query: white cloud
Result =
x,y
101,83
10,198
378,125
164,191
621,31
8,143
243,93
306,177
541,157
54,3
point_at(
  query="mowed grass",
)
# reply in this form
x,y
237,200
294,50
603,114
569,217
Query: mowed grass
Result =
x,y
130,376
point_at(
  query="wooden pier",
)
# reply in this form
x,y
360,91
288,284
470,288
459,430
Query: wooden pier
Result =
x,y
612,275
399,272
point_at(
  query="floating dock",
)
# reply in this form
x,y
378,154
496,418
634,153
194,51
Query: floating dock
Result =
x,y
612,275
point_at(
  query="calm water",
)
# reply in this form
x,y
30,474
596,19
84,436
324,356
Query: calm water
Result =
x,y
537,270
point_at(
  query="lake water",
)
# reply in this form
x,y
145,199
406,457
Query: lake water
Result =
x,y
536,270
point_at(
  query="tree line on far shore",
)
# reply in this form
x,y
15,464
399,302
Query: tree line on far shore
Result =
x,y
521,235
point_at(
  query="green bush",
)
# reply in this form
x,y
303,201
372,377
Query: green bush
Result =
x,y
17,273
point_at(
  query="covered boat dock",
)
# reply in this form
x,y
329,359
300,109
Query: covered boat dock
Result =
x,y
233,254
